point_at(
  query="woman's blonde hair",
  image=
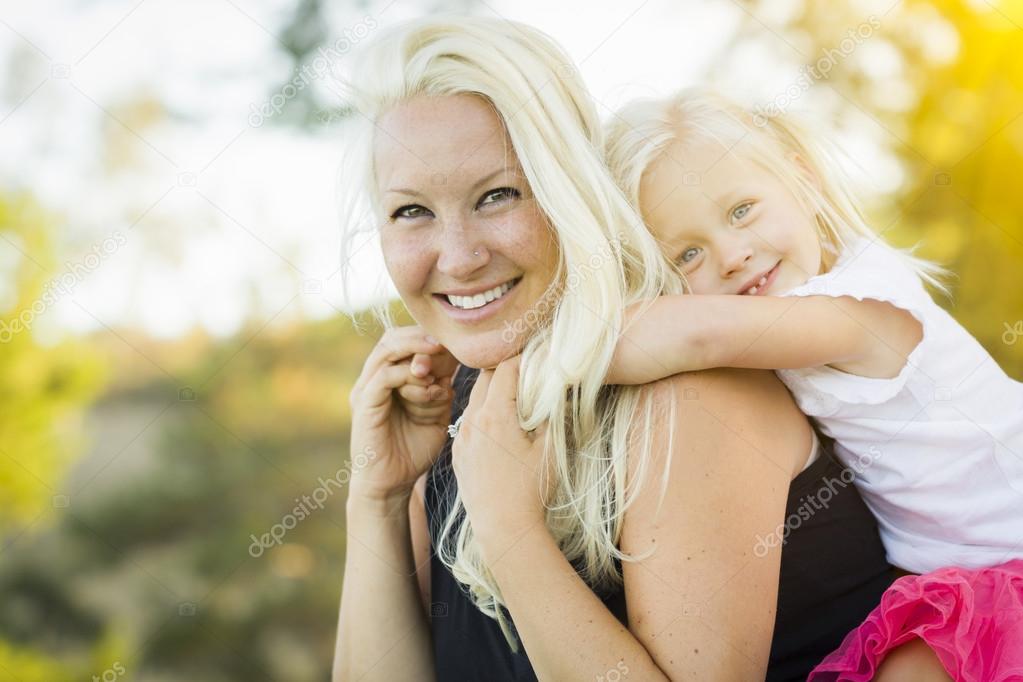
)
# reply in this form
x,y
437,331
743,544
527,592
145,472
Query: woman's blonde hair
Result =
x,y
644,129
607,260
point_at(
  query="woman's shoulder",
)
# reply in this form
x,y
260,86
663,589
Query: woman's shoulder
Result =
x,y
721,406
702,497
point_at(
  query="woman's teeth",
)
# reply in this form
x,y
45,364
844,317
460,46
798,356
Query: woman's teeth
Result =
x,y
480,300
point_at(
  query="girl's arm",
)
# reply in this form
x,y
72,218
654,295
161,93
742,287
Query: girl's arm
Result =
x,y
692,332
703,606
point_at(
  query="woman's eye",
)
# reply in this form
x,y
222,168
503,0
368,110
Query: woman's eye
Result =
x,y
499,194
741,211
410,211
690,254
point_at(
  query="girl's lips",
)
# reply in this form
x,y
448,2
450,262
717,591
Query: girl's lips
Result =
x,y
476,314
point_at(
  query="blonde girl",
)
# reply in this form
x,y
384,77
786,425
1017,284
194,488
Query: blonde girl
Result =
x,y
787,275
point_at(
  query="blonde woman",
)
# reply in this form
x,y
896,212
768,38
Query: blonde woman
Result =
x,y
568,530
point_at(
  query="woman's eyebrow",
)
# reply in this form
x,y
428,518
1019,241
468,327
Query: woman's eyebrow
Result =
x,y
488,178
475,185
402,190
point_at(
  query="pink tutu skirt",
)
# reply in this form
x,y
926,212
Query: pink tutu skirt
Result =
x,y
972,619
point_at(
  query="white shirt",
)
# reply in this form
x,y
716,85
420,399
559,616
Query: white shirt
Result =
x,y
938,449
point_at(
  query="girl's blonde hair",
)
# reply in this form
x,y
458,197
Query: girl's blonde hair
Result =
x,y
642,131
607,260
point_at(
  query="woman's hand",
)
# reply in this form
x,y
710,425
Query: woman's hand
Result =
x,y
500,467
401,404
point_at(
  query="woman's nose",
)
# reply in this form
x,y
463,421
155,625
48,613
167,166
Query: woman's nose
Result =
x,y
460,251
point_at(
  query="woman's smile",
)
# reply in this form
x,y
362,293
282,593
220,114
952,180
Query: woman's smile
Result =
x,y
472,305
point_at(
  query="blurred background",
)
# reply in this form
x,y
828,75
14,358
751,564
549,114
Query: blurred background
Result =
x,y
175,351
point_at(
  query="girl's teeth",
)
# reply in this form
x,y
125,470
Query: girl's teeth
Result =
x,y
753,289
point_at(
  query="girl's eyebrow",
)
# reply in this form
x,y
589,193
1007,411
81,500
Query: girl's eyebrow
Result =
x,y
730,196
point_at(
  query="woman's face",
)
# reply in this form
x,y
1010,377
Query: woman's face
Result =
x,y
465,243
729,224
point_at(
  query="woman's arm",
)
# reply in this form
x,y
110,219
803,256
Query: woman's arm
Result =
x,y
383,631
702,607
421,541
693,332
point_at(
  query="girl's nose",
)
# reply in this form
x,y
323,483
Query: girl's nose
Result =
x,y
734,258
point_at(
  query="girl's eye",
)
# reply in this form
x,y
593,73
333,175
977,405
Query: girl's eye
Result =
x,y
690,254
742,210
410,211
499,194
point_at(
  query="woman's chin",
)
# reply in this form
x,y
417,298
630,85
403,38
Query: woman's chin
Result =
x,y
484,351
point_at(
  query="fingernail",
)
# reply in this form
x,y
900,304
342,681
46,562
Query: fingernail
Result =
x,y
430,339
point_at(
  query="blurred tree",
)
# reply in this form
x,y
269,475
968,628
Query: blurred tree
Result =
x,y
43,390
167,557
963,197
43,394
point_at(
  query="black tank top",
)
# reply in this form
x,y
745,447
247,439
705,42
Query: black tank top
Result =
x,y
833,571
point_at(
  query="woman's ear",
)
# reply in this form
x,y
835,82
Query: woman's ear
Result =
x,y
804,168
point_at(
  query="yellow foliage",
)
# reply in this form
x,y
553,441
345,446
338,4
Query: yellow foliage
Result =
x,y
42,389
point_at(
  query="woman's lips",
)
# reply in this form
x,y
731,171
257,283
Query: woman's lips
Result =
x,y
475,315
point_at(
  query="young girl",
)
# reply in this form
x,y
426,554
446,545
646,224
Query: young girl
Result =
x,y
789,277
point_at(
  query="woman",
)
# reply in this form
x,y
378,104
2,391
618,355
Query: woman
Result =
x,y
570,530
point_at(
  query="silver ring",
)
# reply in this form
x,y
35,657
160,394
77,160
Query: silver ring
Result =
x,y
453,428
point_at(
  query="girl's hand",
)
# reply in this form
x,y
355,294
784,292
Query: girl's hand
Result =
x,y
650,346
500,468
399,418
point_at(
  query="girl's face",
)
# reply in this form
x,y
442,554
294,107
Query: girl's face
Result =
x,y
731,226
464,241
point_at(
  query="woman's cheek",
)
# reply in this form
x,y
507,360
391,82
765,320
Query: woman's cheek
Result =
x,y
407,259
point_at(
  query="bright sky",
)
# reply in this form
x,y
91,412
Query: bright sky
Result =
x,y
208,219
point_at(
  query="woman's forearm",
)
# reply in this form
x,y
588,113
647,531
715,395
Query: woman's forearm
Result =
x,y
383,633
566,630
